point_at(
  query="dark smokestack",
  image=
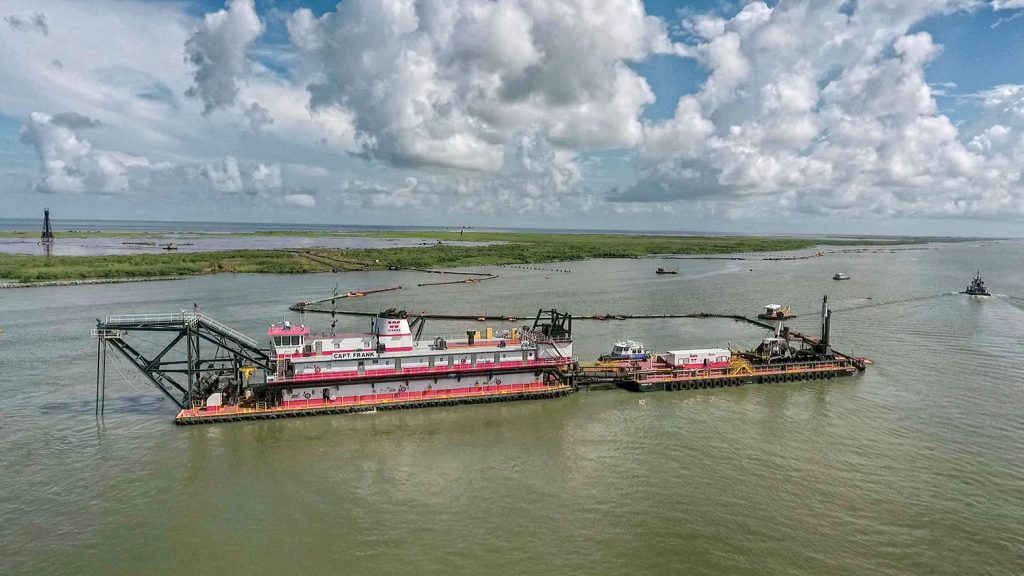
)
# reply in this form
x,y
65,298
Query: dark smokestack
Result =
x,y
828,332
824,311
470,336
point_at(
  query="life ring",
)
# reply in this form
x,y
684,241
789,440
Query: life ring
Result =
x,y
464,361
306,395
316,370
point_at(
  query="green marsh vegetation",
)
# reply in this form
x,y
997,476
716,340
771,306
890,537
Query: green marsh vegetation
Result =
x,y
506,248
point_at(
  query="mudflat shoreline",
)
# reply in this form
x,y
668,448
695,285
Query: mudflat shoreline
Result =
x,y
86,282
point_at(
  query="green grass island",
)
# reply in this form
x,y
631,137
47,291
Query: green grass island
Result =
x,y
507,248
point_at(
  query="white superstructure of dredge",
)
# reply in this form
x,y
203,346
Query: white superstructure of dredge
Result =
x,y
391,364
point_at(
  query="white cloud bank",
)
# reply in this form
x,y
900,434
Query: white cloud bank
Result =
x,y
71,164
823,107
496,107
451,83
217,50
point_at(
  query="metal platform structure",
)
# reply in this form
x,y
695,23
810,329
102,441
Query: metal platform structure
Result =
x,y
198,356
47,236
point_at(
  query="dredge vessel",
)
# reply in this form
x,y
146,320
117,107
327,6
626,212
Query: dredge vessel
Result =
x,y
783,356
390,366
223,375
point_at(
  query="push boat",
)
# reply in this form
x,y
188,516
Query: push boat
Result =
x,y
626,350
781,357
977,287
393,367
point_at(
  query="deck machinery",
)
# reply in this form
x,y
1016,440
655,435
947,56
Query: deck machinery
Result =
x,y
783,356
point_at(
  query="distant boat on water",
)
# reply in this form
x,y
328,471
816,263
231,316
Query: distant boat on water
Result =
x,y
840,276
977,287
666,271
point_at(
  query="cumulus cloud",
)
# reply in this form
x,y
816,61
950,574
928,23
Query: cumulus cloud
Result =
x,y
33,23
411,194
74,121
70,163
822,107
257,117
533,179
300,200
450,84
217,51
495,106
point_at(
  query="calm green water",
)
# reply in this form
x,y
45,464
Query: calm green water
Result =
x,y
915,467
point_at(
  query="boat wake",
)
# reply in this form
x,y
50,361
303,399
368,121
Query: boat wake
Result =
x,y
876,303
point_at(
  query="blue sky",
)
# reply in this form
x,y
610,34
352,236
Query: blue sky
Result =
x,y
770,117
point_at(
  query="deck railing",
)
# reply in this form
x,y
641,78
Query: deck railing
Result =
x,y
182,318
415,370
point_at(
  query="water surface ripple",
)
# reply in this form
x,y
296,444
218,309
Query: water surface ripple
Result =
x,y
914,467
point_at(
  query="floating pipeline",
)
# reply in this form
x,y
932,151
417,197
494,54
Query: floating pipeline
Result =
x,y
473,280
304,307
301,306
535,268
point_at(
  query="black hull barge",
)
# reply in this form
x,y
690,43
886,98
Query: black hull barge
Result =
x,y
783,357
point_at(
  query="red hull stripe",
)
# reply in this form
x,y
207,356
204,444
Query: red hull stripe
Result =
x,y
426,394
378,400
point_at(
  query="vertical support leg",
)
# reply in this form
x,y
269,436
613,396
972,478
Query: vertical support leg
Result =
x,y
188,347
99,342
103,388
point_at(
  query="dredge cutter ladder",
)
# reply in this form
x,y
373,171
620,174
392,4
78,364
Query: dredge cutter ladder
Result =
x,y
234,355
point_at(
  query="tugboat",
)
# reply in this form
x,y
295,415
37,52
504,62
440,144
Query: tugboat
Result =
x,y
840,276
775,312
626,350
666,271
977,287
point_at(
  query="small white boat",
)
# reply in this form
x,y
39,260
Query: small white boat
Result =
x,y
627,350
840,276
775,312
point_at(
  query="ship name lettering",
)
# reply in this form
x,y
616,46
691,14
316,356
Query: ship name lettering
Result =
x,y
343,355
